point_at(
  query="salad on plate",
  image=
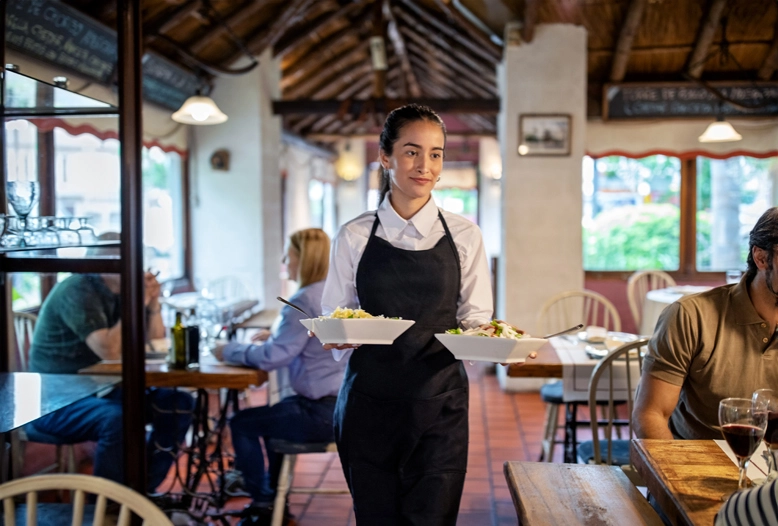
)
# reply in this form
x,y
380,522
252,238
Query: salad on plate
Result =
x,y
496,329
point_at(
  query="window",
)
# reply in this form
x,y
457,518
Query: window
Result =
x,y
731,195
88,185
631,213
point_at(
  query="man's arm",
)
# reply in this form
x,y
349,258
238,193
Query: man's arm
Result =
x,y
655,402
156,328
107,343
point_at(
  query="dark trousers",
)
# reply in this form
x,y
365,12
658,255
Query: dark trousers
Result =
x,y
295,419
100,420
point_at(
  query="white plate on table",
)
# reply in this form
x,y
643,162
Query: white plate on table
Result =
x,y
613,340
357,331
485,349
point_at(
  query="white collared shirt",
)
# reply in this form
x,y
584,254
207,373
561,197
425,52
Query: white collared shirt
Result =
x,y
421,232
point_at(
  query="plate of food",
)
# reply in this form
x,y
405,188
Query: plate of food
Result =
x,y
355,326
499,343
593,334
613,340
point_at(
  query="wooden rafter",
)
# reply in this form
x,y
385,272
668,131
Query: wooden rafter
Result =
x,y
475,32
167,21
710,23
379,31
335,89
398,43
626,37
771,60
420,13
467,74
430,63
531,8
244,11
412,25
312,32
354,88
313,61
267,36
329,71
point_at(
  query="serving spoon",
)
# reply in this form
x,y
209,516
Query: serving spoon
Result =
x,y
571,329
295,307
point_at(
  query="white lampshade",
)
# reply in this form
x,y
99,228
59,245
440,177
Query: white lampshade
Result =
x,y
720,131
199,110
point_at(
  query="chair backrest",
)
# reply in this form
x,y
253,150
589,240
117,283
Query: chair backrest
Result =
x,y
24,327
638,286
578,306
616,368
105,490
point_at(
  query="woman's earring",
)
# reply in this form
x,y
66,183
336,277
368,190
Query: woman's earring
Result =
x,y
438,178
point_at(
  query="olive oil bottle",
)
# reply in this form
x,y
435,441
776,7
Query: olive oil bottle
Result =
x,y
177,358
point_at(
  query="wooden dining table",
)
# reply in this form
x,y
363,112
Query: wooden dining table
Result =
x,y
690,479
547,364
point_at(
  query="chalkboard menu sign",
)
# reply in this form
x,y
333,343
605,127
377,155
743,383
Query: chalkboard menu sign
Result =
x,y
687,99
56,33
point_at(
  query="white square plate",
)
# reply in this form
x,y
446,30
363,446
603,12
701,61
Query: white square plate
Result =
x,y
357,331
484,349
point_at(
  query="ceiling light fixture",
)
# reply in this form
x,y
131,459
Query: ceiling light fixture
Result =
x,y
720,131
199,110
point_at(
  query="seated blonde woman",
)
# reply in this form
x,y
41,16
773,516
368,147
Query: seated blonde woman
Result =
x,y
314,376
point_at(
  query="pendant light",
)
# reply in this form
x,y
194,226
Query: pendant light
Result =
x,y
199,110
720,131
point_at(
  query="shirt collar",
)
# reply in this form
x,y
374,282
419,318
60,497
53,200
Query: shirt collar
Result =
x,y
393,224
745,313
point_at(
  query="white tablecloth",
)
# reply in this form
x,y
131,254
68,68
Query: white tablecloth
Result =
x,y
577,368
657,300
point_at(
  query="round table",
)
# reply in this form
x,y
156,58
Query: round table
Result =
x,y
657,300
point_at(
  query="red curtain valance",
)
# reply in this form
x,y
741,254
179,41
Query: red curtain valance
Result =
x,y
690,154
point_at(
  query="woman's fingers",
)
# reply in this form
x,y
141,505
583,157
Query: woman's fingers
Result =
x,y
341,347
531,356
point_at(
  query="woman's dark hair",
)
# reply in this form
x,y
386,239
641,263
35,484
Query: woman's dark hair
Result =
x,y
765,236
395,122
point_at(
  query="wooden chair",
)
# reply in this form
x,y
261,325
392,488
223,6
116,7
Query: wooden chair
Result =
x,y
130,502
609,450
24,328
560,312
290,450
638,286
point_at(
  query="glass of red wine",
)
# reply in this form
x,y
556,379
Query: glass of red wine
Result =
x,y
766,401
743,428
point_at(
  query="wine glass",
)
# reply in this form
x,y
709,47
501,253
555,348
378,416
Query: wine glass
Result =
x,y
743,429
86,234
766,401
22,196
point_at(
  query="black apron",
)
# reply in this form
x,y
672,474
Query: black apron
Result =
x,y
401,417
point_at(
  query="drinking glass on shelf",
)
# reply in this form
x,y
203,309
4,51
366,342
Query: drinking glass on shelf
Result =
x,y
85,232
10,237
766,401
743,428
67,236
22,196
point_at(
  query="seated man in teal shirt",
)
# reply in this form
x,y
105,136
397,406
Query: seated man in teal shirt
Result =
x,y
78,326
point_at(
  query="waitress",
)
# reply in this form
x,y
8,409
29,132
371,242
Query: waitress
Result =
x,y
401,416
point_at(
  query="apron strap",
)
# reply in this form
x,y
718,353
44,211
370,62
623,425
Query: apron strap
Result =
x,y
451,242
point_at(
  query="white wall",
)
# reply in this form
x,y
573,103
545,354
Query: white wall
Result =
x,y
236,227
678,137
541,196
351,195
489,197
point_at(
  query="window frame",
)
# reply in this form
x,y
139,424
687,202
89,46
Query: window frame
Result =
x,y
687,254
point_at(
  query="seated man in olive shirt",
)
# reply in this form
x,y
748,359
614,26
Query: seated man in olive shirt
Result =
x,y
78,326
718,344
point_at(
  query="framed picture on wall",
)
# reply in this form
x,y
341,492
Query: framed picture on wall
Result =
x,y
541,134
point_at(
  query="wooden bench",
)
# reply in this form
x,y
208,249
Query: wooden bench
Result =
x,y
546,493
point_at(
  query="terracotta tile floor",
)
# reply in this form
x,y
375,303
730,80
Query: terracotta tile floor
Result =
x,y
514,422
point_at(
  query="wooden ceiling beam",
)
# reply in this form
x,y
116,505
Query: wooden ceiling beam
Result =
x,y
355,107
314,61
470,75
415,11
241,13
470,28
710,23
452,56
312,31
771,60
626,36
167,21
431,64
415,30
335,89
398,43
531,8
325,50
355,88
379,31
329,71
